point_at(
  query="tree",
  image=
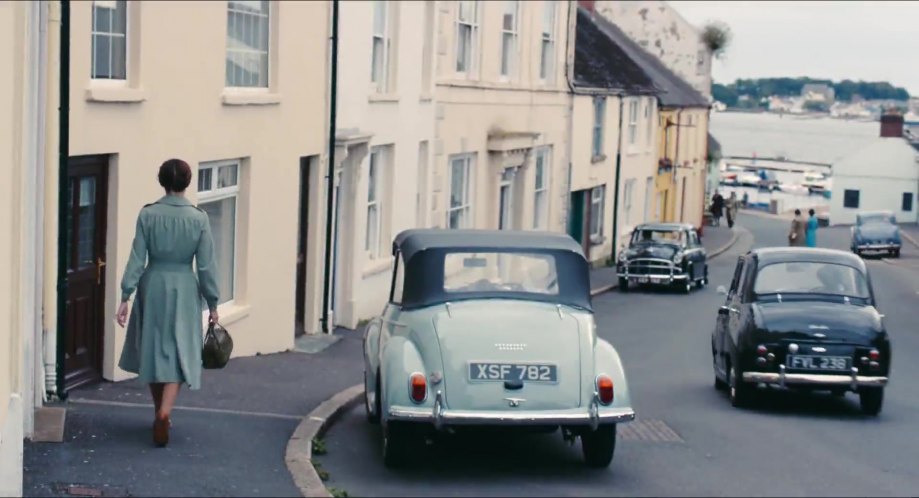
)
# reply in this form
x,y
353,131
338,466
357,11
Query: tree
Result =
x,y
716,35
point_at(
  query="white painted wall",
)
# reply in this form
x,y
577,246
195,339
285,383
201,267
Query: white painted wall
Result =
x,y
398,119
661,30
881,172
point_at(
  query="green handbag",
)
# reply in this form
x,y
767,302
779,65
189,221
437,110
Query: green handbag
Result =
x,y
218,345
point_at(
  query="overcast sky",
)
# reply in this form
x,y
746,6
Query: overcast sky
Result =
x,y
872,41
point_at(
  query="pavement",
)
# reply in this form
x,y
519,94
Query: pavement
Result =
x,y
254,404
910,232
686,440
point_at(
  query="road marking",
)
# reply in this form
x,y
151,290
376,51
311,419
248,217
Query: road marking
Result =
x,y
124,404
650,430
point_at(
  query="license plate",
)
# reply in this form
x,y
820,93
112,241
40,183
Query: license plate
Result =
x,y
527,372
814,362
642,280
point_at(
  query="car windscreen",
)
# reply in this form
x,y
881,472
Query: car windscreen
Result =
x,y
495,272
806,277
648,236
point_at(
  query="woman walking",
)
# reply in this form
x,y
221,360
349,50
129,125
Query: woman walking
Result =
x,y
717,207
163,342
811,229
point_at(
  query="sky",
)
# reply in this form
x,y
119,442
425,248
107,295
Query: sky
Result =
x,y
871,41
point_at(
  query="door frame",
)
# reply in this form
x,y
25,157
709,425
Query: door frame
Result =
x,y
303,233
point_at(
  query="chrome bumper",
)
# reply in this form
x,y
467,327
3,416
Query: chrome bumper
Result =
x,y
853,380
664,271
876,247
441,417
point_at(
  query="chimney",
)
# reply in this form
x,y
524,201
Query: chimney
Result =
x,y
588,5
892,125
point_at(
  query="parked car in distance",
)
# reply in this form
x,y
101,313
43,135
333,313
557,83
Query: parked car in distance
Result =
x,y
815,182
805,319
663,254
491,328
876,231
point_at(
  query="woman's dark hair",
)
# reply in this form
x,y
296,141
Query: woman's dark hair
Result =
x,y
810,212
797,212
175,175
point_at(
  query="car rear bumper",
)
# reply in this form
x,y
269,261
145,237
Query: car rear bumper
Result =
x,y
876,247
853,380
440,417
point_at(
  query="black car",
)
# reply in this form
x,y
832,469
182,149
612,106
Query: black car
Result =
x,y
801,318
663,254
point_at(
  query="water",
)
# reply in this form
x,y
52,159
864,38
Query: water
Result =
x,y
798,138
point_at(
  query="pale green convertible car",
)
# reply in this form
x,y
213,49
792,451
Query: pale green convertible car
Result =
x,y
491,328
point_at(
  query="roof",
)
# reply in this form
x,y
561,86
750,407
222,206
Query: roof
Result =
x,y
665,226
600,63
888,157
413,241
770,255
674,91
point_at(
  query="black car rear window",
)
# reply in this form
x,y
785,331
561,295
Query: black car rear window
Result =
x,y
806,277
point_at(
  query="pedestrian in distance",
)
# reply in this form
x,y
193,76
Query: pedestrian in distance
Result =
x,y
811,237
717,207
730,209
797,233
164,337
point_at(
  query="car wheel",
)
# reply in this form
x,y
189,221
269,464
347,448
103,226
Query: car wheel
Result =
x,y
397,445
740,392
720,385
623,285
872,399
373,416
599,446
896,253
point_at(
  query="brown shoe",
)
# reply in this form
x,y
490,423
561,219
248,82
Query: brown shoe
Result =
x,y
161,431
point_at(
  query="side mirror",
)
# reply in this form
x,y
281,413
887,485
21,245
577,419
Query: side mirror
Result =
x,y
724,311
722,290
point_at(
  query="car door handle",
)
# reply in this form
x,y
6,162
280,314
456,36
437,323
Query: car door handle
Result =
x,y
99,265
726,310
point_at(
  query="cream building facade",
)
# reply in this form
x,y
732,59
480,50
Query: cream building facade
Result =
x,y
237,90
502,117
384,149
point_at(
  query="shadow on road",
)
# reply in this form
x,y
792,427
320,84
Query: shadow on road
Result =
x,y
773,401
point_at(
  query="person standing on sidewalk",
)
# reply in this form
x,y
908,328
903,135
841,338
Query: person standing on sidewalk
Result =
x,y
717,207
796,235
811,236
730,209
164,336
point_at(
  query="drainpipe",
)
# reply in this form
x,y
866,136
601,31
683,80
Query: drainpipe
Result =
x,y
676,162
62,206
330,171
51,62
616,192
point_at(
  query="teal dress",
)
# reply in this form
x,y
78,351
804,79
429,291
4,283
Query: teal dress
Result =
x,y
163,342
810,235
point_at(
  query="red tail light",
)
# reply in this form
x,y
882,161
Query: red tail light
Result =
x,y
761,350
605,389
874,355
418,387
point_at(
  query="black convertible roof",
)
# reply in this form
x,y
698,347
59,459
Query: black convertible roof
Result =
x,y
410,242
769,255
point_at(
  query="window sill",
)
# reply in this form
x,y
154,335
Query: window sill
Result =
x,y
115,95
232,97
383,97
376,267
426,97
597,159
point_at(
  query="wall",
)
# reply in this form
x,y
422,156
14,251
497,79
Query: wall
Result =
x,y
686,145
175,104
661,30
639,163
482,111
894,171
399,119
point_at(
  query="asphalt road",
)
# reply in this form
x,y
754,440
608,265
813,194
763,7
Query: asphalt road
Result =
x,y
687,439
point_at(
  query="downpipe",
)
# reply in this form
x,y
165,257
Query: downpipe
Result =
x,y
615,234
330,172
63,154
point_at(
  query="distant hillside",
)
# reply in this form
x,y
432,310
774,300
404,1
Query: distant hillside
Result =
x,y
758,88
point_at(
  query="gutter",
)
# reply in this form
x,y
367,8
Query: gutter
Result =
x,y
62,206
616,192
330,172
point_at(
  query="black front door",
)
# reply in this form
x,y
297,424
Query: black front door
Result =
x,y
579,218
85,296
302,235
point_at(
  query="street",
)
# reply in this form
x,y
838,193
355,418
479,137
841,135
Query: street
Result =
x,y
686,439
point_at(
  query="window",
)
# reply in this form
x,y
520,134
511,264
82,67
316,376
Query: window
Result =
x,y
597,197
649,132
428,47
247,43
458,213
628,192
218,196
907,201
374,203
633,122
508,38
547,50
500,272
700,63
380,72
466,31
109,40
810,278
541,191
599,118
850,199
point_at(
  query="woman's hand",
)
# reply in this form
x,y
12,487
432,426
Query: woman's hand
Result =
x,y
122,314
214,317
